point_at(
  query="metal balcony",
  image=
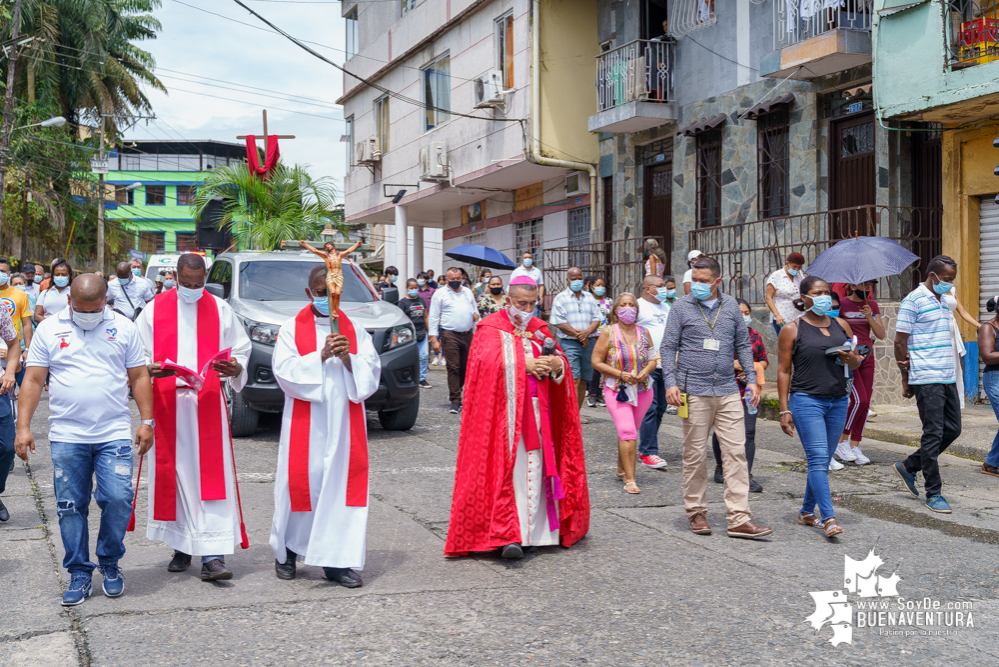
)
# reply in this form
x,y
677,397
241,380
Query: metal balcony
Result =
x,y
814,38
972,32
634,87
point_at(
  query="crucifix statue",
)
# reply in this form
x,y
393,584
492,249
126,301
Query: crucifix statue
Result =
x,y
334,275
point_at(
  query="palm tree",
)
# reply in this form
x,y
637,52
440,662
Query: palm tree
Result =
x,y
289,204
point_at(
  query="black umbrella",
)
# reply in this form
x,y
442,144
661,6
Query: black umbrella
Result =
x,y
861,259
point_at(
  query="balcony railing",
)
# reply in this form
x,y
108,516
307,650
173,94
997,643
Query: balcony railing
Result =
x,y
619,262
972,32
640,71
751,251
798,20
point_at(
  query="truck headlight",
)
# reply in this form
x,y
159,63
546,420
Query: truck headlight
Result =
x,y
262,333
400,335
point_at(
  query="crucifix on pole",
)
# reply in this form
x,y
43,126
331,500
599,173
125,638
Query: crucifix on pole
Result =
x,y
271,152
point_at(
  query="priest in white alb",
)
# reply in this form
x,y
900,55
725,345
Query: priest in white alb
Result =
x,y
193,495
321,486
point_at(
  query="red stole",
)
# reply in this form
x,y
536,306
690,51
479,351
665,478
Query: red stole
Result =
x,y
270,159
301,427
165,406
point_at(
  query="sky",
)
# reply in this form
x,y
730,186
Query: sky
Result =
x,y
194,42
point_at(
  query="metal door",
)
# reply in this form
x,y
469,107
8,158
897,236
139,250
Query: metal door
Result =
x,y
659,207
927,199
852,180
988,265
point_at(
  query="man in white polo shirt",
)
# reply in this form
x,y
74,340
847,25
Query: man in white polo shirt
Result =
x,y
528,269
92,353
452,319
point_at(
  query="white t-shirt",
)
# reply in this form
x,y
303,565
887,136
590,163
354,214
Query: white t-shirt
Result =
x,y
653,316
688,277
88,382
53,301
534,273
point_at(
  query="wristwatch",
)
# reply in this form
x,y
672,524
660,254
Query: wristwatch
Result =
x,y
148,422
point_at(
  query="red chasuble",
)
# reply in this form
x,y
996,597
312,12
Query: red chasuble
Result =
x,y
165,406
484,510
301,427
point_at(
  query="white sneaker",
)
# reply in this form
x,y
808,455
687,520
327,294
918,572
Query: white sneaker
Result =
x,y
835,465
871,413
860,458
844,452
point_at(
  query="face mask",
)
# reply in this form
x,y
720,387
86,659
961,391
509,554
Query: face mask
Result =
x,y
748,319
627,314
495,291
792,272
575,285
4,277
860,294
421,283
392,278
454,284
519,317
136,272
322,305
528,262
21,287
701,291
60,281
413,292
124,281
671,293
833,313
87,321
189,295
940,288
169,284
821,304
662,294
38,279
599,291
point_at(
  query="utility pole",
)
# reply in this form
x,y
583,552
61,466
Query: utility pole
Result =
x,y
24,222
8,103
100,201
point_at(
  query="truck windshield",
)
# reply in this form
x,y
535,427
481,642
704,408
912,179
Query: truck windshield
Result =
x,y
286,281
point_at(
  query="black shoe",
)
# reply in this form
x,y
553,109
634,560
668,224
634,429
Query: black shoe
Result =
x,y
512,551
754,486
4,514
181,561
425,384
286,570
719,477
215,570
455,407
344,576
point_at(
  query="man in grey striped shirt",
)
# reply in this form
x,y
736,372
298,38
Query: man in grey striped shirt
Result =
x,y
704,331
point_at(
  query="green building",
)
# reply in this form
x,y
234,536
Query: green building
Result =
x,y
154,183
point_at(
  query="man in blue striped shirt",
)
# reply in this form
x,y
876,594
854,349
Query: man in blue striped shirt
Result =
x,y
923,353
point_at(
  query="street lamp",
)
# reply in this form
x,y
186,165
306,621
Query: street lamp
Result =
x,y
56,121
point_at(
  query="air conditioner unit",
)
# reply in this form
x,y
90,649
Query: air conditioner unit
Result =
x,y
489,90
433,162
577,183
367,150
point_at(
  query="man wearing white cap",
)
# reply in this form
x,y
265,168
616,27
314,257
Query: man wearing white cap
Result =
x,y
691,256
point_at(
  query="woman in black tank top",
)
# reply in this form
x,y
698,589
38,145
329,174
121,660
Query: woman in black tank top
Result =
x,y
987,335
813,397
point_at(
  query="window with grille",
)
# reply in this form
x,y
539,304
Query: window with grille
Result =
x,y
382,123
155,195
529,239
772,163
186,241
709,146
152,242
407,6
579,236
437,92
185,195
504,49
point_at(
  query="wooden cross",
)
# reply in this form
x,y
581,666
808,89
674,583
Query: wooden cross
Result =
x,y
264,137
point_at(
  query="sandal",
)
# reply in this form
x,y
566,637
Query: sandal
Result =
x,y
620,476
832,528
631,487
989,470
808,519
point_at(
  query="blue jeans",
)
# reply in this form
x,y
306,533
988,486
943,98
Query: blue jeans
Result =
x,y
73,468
648,433
990,381
820,421
424,347
7,431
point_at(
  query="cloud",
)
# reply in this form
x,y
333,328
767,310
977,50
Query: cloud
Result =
x,y
195,42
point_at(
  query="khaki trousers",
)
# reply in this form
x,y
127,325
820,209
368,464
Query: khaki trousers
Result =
x,y
724,413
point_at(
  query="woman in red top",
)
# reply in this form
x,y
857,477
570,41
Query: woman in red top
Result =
x,y
861,311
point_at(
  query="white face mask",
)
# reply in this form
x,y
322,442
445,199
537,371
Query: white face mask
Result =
x,y
88,321
519,317
189,295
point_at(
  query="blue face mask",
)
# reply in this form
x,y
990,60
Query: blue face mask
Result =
x,y
528,262
671,293
575,285
322,305
662,294
599,291
421,282
188,295
124,281
4,277
136,272
792,272
60,281
393,278
38,278
939,288
833,313
821,304
701,291
169,284
413,293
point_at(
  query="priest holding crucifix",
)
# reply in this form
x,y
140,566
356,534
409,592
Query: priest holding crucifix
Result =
x,y
192,481
321,486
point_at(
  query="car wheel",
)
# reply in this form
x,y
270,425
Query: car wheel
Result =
x,y
243,419
402,419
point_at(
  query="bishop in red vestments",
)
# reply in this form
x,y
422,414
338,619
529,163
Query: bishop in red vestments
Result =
x,y
521,474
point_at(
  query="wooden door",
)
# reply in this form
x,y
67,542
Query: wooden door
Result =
x,y
852,178
659,207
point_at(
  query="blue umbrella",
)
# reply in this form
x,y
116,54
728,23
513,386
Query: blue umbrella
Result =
x,y
861,259
479,255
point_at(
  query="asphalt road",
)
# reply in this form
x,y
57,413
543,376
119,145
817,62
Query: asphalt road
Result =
x,y
640,589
